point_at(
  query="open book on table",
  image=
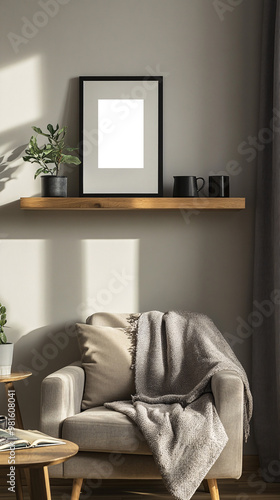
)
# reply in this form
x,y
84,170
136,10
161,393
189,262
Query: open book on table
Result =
x,y
20,438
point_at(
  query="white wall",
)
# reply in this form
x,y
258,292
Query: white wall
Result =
x,y
58,267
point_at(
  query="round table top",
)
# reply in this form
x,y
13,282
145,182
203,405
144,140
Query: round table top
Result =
x,y
41,456
14,376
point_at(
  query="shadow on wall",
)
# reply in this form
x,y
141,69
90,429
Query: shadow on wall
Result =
x,y
70,116
71,109
41,351
53,346
10,161
7,170
48,348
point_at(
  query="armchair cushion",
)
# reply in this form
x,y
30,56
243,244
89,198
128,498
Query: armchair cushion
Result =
x,y
106,359
103,430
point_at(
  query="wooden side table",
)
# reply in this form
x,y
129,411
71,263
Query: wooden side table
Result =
x,y
37,461
9,380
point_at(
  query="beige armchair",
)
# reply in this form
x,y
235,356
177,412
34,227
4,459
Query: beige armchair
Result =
x,y
110,444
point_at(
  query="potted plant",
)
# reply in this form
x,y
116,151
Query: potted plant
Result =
x,y
6,348
50,156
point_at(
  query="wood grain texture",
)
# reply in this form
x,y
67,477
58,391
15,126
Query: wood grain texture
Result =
x,y
40,484
8,380
14,376
132,203
9,387
18,486
76,490
41,456
213,488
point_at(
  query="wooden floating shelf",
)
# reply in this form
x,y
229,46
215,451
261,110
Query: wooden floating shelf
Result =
x,y
117,203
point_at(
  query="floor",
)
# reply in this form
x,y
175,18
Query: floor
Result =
x,y
229,490
249,487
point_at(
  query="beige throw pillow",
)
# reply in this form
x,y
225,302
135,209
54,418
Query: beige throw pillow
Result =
x,y
106,359
115,320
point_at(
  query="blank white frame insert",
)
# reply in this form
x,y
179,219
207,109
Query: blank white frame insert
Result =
x,y
120,133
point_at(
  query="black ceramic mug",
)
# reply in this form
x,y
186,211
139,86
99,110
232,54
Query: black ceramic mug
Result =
x,y
219,186
186,186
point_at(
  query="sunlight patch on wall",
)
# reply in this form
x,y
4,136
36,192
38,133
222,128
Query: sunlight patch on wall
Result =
x,y
5,149
22,285
110,276
20,93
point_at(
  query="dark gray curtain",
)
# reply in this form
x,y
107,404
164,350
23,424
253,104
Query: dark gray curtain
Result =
x,y
266,310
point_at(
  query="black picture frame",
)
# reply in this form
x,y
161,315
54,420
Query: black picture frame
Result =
x,y
149,175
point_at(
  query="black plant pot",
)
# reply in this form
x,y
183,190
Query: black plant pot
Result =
x,y
54,185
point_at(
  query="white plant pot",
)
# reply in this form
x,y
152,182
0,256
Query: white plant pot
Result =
x,y
6,358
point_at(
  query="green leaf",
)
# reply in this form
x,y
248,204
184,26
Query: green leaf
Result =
x,y
62,131
3,321
3,338
38,130
50,128
70,159
34,160
33,145
38,172
54,151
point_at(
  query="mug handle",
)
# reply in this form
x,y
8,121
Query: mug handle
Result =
x,y
203,183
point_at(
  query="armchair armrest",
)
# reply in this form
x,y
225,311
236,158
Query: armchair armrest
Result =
x,y
61,397
228,391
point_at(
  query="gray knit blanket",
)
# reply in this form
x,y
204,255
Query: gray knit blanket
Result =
x,y
176,356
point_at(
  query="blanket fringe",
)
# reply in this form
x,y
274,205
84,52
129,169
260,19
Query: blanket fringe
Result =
x,y
131,332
